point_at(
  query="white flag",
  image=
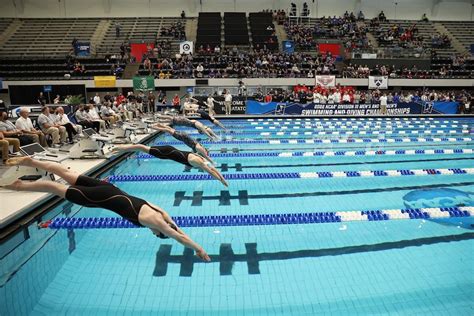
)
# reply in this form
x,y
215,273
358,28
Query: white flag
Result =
x,y
378,82
186,47
326,81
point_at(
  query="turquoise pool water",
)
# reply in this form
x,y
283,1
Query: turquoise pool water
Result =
x,y
399,267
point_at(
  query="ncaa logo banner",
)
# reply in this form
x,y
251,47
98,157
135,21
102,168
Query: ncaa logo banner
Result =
x,y
326,81
186,47
378,82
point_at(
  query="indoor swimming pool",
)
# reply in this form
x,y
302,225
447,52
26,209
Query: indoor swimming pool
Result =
x,y
322,216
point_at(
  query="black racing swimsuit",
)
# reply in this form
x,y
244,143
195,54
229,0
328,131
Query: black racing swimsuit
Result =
x,y
182,121
92,192
191,143
205,115
171,153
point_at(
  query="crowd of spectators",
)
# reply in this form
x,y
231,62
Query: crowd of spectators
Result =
x,y
346,27
458,63
348,95
240,64
440,41
175,30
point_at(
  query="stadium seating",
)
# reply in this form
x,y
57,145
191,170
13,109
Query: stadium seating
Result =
x,y
209,29
260,24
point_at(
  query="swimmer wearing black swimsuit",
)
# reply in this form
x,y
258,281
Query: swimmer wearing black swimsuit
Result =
x,y
185,138
184,157
87,191
210,118
171,153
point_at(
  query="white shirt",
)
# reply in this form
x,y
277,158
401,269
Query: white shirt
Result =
x,y
210,102
337,97
24,124
62,119
93,113
317,97
228,97
346,97
383,100
97,99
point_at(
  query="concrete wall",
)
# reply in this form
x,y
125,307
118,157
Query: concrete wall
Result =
x,y
406,9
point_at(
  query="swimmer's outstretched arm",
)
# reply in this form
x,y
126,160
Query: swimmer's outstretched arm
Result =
x,y
179,235
163,128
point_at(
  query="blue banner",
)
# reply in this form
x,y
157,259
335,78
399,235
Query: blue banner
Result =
x,y
288,47
254,107
445,107
47,88
82,48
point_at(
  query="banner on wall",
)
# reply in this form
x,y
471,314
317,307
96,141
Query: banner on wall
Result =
x,y
378,82
288,47
104,81
82,49
238,104
254,107
144,83
137,50
186,47
326,81
440,107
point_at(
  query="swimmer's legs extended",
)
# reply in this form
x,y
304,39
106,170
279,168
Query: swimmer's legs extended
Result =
x,y
139,147
52,167
39,186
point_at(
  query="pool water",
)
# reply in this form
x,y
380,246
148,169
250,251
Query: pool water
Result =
x,y
399,267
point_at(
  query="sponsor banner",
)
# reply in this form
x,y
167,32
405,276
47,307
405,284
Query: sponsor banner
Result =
x,y
144,83
238,104
104,81
440,107
82,48
186,47
47,88
254,107
326,81
378,82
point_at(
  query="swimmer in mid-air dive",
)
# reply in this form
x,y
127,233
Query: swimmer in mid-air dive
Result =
x,y
186,139
90,192
184,157
211,119
182,121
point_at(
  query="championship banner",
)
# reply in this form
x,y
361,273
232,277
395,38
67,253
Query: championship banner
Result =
x,y
104,81
254,107
186,47
82,49
144,83
440,107
378,82
326,81
238,104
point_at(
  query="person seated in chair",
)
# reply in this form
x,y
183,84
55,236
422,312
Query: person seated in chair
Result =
x,y
24,124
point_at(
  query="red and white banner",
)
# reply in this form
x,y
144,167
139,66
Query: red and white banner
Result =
x,y
325,81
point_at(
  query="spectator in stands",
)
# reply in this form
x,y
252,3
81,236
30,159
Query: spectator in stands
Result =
x,y
147,65
57,99
96,98
24,124
118,28
360,16
78,68
62,119
382,17
41,99
424,18
83,119
47,124
183,15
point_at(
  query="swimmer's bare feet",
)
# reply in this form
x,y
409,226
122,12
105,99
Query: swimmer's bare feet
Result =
x,y
15,185
19,161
